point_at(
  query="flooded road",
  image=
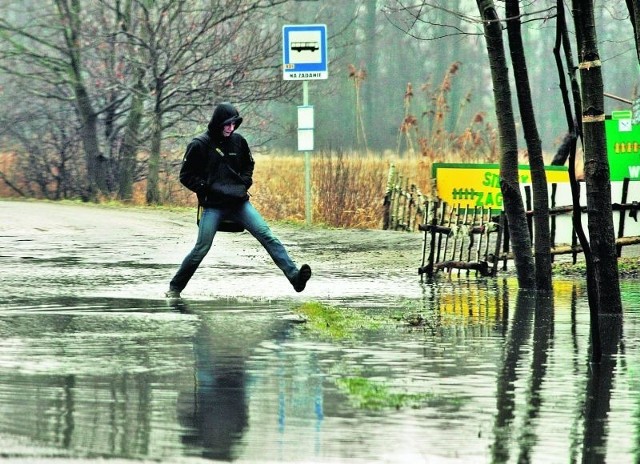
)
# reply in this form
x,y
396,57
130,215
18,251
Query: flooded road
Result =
x,y
96,364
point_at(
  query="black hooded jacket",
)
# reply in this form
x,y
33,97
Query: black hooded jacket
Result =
x,y
219,169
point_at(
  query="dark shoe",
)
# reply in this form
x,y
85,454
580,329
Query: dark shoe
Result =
x,y
172,294
300,280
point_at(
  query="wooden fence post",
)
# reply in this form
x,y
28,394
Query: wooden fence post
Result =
x,y
625,191
388,198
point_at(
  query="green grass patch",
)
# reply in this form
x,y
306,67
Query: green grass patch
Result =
x,y
367,394
627,267
340,323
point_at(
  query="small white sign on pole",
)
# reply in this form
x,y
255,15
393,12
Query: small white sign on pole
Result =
x,y
305,128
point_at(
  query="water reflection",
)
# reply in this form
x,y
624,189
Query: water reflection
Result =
x,y
542,341
600,385
88,376
529,307
529,339
214,413
505,374
129,378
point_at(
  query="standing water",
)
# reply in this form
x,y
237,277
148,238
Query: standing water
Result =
x,y
477,373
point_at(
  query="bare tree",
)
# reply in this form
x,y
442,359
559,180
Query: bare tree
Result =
x,y
634,16
135,70
192,54
504,113
48,50
563,44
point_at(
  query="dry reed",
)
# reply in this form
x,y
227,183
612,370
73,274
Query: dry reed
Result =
x,y
347,189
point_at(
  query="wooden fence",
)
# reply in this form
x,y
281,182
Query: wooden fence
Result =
x,y
405,205
461,238
477,239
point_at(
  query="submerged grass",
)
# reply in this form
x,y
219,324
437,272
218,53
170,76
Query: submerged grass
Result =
x,y
339,323
375,395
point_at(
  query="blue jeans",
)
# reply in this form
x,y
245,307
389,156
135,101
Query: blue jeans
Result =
x,y
252,221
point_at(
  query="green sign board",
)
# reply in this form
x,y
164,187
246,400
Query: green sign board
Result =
x,y
623,146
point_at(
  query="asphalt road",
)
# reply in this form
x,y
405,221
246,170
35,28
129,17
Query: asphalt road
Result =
x,y
71,249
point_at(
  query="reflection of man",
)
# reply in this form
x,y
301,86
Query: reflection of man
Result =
x,y
216,417
215,414
219,416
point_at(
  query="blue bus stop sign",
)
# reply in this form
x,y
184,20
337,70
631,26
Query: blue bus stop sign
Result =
x,y
304,52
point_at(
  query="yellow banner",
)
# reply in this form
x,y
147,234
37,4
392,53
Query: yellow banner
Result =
x,y
473,185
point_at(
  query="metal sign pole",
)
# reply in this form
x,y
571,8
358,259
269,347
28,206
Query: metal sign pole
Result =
x,y
305,57
307,163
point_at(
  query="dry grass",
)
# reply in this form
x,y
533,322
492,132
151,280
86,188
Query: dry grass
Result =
x,y
347,189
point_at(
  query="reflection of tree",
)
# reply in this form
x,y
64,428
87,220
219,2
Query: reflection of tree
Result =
x,y
597,402
507,376
542,336
597,399
64,406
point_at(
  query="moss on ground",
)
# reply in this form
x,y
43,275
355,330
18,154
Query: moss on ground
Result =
x,y
627,267
339,323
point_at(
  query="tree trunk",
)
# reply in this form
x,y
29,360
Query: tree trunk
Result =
x,y
69,12
369,97
562,42
456,101
131,141
509,182
634,16
542,239
96,177
596,164
153,192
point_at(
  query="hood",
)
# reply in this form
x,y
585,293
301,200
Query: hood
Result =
x,y
224,113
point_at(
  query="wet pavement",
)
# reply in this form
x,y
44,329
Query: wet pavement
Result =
x,y
96,365
82,250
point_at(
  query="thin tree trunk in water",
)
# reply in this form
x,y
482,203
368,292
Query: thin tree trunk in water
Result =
x,y
509,182
562,41
596,164
542,239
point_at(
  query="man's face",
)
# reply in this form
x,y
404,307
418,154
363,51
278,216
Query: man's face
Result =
x,y
228,129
